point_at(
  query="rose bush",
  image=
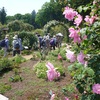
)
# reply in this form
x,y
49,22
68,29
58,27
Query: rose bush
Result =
x,y
85,53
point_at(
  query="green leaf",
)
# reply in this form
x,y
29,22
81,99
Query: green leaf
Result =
x,y
85,9
80,9
90,72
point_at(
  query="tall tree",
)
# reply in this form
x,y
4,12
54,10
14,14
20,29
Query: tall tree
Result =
x,y
3,16
32,19
49,11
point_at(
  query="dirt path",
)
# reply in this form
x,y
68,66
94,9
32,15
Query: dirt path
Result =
x,y
27,57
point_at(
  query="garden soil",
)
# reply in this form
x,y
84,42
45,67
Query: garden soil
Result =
x,y
33,88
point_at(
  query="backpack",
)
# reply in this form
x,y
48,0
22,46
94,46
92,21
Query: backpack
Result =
x,y
52,42
2,43
43,42
16,45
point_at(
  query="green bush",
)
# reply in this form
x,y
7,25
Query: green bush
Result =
x,y
63,54
18,59
40,70
5,63
15,78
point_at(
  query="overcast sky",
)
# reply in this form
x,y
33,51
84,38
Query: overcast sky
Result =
x,y
13,7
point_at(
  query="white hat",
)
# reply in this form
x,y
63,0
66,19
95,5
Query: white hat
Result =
x,y
6,36
15,37
59,34
54,36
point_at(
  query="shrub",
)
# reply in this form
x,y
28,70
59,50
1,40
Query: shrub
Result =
x,y
18,59
5,63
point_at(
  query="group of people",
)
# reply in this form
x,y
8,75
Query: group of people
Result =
x,y
49,42
44,42
16,45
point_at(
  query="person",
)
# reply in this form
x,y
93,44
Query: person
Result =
x,y
20,43
6,47
53,42
59,38
40,41
16,45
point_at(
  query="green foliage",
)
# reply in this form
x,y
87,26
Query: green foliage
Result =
x,y
40,70
40,31
4,88
19,26
1,53
36,55
3,15
28,39
26,52
63,53
18,59
5,63
15,78
82,76
94,64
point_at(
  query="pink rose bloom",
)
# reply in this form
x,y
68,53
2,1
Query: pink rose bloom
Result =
x,y
80,58
96,88
69,13
66,98
49,65
89,20
71,56
78,20
74,35
52,97
51,72
92,19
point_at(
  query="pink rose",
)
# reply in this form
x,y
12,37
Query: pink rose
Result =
x,y
69,13
80,58
71,56
66,98
51,72
74,35
89,20
78,20
96,88
49,65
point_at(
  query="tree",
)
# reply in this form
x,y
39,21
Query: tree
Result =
x,y
50,11
19,26
32,18
3,16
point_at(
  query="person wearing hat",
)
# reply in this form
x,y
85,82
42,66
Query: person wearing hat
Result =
x,y
6,47
16,45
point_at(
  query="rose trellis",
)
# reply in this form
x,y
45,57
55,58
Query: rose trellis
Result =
x,y
54,23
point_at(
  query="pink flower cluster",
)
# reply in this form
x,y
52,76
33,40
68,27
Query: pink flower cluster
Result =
x,y
89,20
96,88
51,72
69,13
74,35
72,57
78,20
